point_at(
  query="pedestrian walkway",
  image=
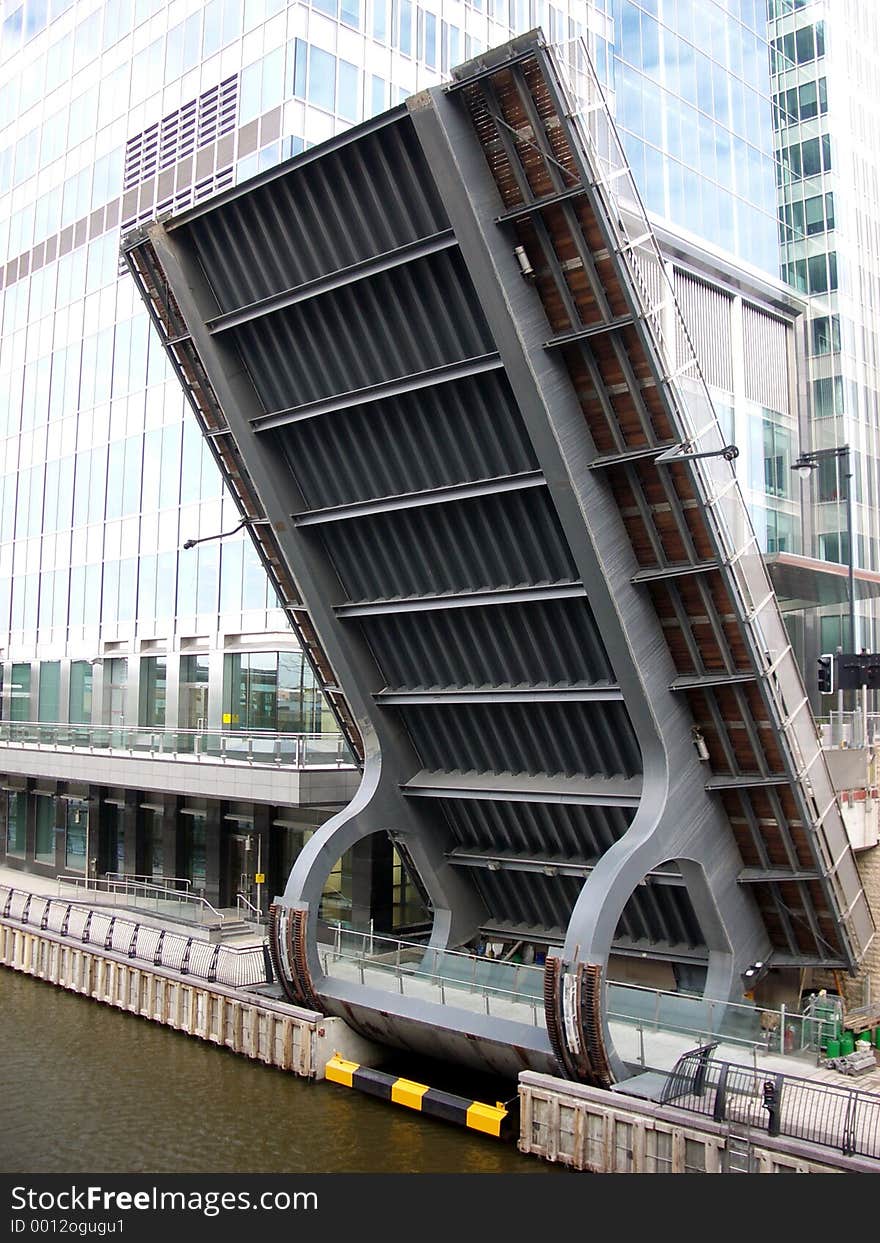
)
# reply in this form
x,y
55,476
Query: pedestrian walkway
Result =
x,y
637,1042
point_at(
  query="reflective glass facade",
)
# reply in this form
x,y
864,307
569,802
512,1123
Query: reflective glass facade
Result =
x,y
691,94
825,66
109,113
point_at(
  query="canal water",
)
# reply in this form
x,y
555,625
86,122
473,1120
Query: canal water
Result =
x,y
87,1089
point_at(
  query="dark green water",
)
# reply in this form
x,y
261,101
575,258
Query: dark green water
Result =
x,y
88,1089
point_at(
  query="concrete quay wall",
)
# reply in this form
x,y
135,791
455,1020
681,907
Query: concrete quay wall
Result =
x,y
247,1023
607,1133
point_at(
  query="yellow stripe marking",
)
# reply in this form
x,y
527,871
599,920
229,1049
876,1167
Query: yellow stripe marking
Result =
x,y
485,1118
338,1070
405,1092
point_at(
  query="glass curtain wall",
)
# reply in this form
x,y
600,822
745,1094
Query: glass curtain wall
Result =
x,y
690,91
271,691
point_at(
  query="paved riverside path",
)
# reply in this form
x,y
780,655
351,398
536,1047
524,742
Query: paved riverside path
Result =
x,y
662,1049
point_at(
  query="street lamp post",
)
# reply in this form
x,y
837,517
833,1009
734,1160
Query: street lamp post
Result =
x,y
805,465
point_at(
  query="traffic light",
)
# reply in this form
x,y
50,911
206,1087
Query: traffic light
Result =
x,y
826,674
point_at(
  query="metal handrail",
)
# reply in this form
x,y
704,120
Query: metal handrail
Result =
x,y
158,893
148,878
295,750
242,902
236,966
534,1004
832,1115
386,954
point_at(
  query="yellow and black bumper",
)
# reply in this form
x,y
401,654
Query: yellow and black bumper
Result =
x,y
495,1120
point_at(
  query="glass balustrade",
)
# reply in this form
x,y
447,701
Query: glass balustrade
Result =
x,y
287,750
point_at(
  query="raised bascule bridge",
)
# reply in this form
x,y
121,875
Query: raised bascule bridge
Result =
x,y
439,362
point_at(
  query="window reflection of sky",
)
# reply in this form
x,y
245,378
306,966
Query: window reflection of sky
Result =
x,y
692,96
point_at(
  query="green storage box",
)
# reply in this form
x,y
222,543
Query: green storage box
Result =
x,y
832,1049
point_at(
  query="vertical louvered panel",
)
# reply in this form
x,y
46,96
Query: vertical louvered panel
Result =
x,y
766,359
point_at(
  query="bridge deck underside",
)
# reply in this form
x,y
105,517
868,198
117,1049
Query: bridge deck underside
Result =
x,y
339,289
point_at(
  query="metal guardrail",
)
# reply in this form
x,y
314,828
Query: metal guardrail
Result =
x,y
251,747
177,882
216,963
757,1029
160,899
835,1117
247,911
412,967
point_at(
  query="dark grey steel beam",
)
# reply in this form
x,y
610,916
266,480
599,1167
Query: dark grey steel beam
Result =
x,y
653,575
414,500
629,455
773,875
547,200
745,781
378,392
501,862
599,692
663,951
702,681
518,863
593,330
460,83
334,280
760,844
463,599
526,788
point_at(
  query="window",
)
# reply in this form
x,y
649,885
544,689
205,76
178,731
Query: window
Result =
x,y
44,851
271,691
16,823
50,686
828,396
349,92
322,79
152,691
777,458
825,334
20,693
81,692
195,845
77,833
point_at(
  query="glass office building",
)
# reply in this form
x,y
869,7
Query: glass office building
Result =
x,y
114,111
825,64
691,95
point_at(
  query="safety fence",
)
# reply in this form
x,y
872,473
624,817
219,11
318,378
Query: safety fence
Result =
x,y
821,1113
238,967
